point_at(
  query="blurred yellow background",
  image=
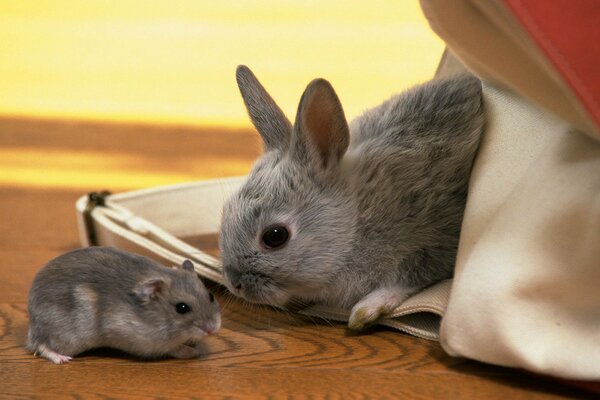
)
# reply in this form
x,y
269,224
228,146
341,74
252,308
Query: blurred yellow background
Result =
x,y
174,61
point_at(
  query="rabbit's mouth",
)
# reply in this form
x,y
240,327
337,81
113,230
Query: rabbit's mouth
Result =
x,y
256,288
267,295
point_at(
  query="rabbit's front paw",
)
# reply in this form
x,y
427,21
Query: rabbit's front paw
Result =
x,y
375,305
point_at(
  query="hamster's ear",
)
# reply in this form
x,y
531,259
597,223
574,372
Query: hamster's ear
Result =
x,y
272,124
187,265
150,289
320,123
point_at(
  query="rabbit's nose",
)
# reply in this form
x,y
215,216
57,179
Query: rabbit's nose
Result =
x,y
234,277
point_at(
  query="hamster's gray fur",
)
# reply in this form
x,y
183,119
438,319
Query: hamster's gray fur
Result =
x,y
104,297
373,210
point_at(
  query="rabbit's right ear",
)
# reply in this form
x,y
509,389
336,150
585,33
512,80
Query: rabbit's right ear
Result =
x,y
321,124
272,124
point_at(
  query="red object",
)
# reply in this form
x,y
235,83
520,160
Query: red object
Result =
x,y
568,32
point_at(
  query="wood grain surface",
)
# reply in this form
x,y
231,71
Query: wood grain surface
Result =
x,y
259,352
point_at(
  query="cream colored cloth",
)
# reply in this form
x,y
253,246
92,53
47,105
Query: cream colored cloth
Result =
x,y
526,291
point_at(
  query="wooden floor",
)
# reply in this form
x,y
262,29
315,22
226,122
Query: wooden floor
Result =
x,y
258,353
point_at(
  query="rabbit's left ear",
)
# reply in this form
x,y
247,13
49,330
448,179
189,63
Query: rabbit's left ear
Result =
x,y
320,123
270,122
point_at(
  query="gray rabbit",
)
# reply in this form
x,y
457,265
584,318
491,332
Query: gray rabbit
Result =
x,y
358,216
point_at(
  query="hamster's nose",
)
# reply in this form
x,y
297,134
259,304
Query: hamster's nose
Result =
x,y
213,326
210,330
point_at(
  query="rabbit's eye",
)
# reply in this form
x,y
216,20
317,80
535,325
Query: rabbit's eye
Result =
x,y
275,237
182,308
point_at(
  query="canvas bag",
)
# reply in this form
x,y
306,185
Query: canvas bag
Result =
x,y
526,291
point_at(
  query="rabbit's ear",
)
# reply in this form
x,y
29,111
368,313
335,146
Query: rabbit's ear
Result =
x,y
320,122
272,124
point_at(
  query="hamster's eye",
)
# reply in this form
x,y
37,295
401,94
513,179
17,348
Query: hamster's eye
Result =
x,y
211,297
182,308
275,236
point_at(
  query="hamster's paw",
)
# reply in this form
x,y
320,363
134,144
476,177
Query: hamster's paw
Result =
x,y
375,305
51,355
187,350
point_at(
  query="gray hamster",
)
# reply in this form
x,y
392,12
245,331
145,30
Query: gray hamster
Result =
x,y
104,297
358,216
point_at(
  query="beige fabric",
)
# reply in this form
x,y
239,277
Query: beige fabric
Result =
x,y
526,291
485,37
152,221
449,66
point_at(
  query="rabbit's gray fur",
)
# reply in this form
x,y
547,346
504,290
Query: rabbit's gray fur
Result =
x,y
380,207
